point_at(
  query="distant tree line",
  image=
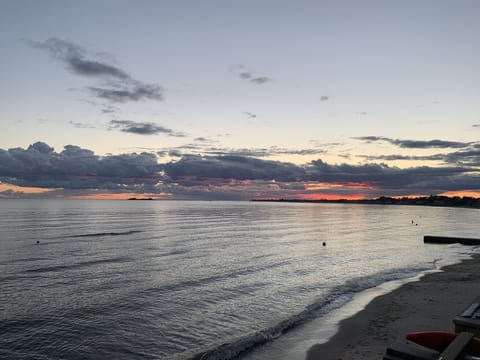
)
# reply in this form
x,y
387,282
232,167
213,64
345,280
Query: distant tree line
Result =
x,y
432,200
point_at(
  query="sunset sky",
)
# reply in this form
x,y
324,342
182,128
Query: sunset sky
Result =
x,y
246,99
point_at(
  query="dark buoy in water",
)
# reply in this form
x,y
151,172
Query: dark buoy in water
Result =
x,y
38,241
324,243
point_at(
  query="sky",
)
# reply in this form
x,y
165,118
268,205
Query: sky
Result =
x,y
239,100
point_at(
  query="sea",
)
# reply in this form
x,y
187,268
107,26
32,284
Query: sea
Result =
x,y
94,279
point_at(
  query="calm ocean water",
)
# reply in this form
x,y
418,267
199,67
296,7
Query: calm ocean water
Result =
x,y
197,280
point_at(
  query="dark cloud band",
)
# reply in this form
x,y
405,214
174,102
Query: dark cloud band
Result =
x,y
75,168
222,176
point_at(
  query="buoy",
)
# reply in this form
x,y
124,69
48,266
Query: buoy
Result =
x,y
324,243
38,241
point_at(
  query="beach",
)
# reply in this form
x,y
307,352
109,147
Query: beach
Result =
x,y
425,305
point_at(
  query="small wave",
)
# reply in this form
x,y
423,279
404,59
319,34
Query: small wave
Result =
x,y
11,278
62,267
129,232
337,298
20,324
24,260
182,285
166,253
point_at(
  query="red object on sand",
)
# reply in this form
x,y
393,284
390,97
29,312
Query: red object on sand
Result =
x,y
435,340
439,341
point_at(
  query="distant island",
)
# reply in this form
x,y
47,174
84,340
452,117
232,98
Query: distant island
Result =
x,y
433,200
134,198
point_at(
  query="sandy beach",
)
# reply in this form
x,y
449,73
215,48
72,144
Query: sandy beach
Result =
x,y
428,304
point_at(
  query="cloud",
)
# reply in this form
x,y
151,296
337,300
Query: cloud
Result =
x,y
466,157
416,144
247,75
261,80
389,180
76,168
74,57
202,139
128,93
175,153
394,157
118,85
370,139
232,167
142,128
271,151
463,153
469,157
203,147
108,109
228,176
373,179
80,125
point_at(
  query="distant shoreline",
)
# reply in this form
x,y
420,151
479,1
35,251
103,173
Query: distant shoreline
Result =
x,y
434,200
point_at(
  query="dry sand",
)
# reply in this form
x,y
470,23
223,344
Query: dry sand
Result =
x,y
429,304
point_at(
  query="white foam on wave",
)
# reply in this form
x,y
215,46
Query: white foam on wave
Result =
x,y
293,345
315,324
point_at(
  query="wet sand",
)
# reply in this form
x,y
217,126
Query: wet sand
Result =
x,y
428,304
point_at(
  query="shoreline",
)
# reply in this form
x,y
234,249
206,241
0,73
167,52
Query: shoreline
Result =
x,y
428,304
432,200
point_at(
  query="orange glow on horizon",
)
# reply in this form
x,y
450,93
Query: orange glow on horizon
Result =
x,y
97,196
25,190
312,191
466,193
410,196
329,197
123,196
463,193
350,185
